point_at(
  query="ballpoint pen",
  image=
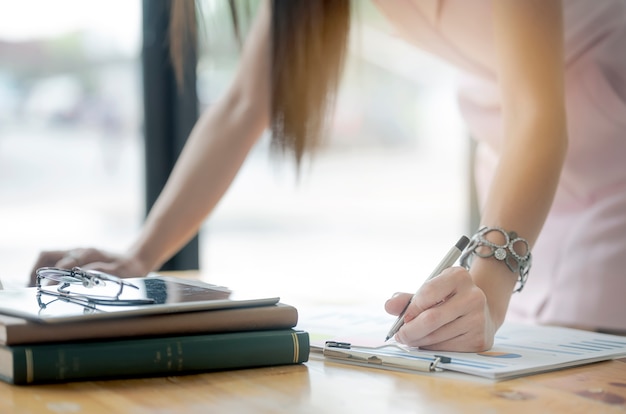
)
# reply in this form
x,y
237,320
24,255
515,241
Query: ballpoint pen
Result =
x,y
446,262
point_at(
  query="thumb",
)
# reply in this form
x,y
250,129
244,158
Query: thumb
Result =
x,y
397,303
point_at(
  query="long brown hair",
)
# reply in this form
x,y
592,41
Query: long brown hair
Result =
x,y
309,40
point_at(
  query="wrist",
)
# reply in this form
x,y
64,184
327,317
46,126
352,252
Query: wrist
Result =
x,y
497,283
143,259
502,246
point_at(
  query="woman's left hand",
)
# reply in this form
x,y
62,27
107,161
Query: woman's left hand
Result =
x,y
448,313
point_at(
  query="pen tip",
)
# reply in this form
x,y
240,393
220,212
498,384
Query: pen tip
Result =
x,y
387,338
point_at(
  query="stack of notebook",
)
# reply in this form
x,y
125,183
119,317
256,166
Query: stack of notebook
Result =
x,y
186,327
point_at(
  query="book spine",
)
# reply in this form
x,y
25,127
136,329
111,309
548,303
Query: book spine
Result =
x,y
157,356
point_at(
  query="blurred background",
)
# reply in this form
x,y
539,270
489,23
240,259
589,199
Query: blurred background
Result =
x,y
370,215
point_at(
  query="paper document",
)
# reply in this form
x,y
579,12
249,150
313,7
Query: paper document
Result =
x,y
366,326
518,350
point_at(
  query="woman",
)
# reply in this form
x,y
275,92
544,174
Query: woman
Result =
x,y
533,69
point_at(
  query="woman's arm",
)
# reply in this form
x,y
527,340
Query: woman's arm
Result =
x,y
529,47
530,67
214,152
216,149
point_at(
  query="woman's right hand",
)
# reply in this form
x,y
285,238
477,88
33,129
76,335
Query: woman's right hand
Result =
x,y
448,313
92,259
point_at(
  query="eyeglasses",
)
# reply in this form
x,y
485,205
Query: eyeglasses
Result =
x,y
77,277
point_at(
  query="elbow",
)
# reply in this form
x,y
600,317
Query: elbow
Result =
x,y
540,126
245,112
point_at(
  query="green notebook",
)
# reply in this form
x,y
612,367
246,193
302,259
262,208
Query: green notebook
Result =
x,y
72,361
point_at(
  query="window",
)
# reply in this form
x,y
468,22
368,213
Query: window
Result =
x,y
370,215
71,148
375,210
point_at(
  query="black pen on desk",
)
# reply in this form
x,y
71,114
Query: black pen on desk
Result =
x,y
446,262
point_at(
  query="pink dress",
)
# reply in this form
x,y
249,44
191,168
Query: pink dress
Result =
x,y
579,266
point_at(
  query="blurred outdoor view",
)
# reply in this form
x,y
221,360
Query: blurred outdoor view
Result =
x,y
71,155
371,214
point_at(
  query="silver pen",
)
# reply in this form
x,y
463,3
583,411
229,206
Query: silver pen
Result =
x,y
446,262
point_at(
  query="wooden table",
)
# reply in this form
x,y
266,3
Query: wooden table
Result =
x,y
320,386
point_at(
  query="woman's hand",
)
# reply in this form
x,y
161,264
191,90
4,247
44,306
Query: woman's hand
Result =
x,y
448,313
92,259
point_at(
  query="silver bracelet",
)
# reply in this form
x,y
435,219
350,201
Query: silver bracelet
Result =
x,y
508,252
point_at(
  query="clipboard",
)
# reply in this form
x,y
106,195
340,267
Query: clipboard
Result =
x,y
518,350
344,352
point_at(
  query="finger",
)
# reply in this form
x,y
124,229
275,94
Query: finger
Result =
x,y
430,326
49,258
119,268
92,255
81,257
434,326
439,339
45,259
397,303
459,338
71,258
456,316
438,290
105,267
